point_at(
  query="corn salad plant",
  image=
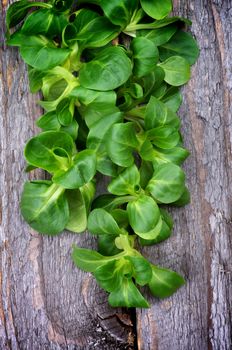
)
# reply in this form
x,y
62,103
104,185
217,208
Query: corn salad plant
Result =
x,y
109,108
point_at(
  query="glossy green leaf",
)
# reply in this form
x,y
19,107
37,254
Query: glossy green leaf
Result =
x,y
181,44
159,36
79,173
100,127
157,9
127,295
88,260
127,182
109,276
164,137
119,11
108,71
164,282
121,142
177,70
91,30
50,150
168,183
65,111
176,155
158,114
77,211
145,56
184,199
143,214
38,22
18,11
44,206
164,233
39,52
100,222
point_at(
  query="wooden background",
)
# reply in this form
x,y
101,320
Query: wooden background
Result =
x,y
46,303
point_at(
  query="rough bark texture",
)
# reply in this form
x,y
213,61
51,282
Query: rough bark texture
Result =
x,y
46,303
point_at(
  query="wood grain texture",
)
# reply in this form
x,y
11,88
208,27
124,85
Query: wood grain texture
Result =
x,y
46,303
198,317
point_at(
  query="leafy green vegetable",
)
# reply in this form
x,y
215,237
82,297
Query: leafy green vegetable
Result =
x,y
111,108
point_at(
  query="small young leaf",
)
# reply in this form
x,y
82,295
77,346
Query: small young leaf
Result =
x,y
127,182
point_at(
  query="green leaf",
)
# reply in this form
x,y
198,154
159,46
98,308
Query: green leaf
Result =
x,y
91,30
127,182
110,69
172,98
65,111
145,56
176,155
50,150
143,214
164,137
106,245
38,22
109,275
167,184
142,271
158,114
181,44
164,282
77,211
44,206
87,260
164,233
119,12
127,295
48,121
100,222
184,199
157,9
120,143
177,70
159,36
39,52
35,79
18,11
79,173
100,127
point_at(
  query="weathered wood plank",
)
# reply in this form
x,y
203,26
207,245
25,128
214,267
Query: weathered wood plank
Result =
x,y
45,302
198,317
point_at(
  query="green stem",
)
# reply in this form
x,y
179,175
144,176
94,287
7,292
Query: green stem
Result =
x,y
42,4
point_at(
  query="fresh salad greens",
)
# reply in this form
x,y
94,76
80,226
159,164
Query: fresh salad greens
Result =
x,y
110,74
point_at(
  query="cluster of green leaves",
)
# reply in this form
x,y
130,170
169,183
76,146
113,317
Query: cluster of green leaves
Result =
x,y
110,108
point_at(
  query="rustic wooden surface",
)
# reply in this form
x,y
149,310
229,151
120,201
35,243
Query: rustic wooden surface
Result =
x,y
46,303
